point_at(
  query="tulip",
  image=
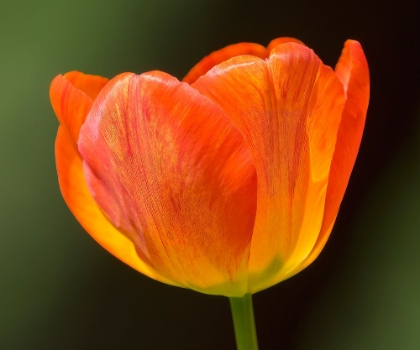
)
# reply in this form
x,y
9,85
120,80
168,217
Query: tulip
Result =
x,y
226,183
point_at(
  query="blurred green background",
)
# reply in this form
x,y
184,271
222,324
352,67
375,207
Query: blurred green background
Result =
x,y
60,290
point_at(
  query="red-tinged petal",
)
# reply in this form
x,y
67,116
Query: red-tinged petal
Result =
x,y
84,208
222,55
353,71
288,110
72,96
282,40
166,166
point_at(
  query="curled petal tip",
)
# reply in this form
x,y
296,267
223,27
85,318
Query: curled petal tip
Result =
x,y
72,95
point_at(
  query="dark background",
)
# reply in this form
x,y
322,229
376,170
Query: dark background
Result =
x,y
60,290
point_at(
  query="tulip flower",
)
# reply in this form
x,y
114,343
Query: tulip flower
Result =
x,y
226,183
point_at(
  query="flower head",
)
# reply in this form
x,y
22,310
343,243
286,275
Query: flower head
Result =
x,y
226,183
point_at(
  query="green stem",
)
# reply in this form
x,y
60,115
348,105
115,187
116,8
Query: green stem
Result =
x,y
243,322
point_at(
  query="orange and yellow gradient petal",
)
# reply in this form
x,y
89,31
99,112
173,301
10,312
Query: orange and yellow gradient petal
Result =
x,y
171,172
289,109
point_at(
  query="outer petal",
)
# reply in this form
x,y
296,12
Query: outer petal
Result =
x,y
72,96
288,110
82,205
169,170
352,70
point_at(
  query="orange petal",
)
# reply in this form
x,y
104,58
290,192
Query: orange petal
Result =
x,y
169,170
352,70
288,109
82,205
72,96
222,55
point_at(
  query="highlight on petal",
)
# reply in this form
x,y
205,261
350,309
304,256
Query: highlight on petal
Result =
x,y
170,171
72,96
288,109
231,51
222,55
78,198
282,40
353,71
